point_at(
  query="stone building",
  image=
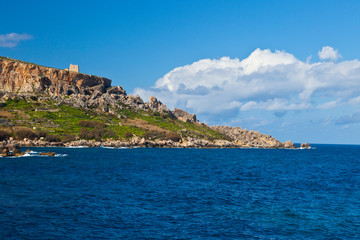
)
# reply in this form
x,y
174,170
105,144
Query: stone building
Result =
x,y
73,68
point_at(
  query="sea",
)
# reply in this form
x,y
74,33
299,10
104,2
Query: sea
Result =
x,y
152,193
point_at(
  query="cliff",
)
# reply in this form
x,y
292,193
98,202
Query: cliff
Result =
x,y
64,105
20,77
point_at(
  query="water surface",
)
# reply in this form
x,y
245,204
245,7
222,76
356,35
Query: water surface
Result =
x,y
99,193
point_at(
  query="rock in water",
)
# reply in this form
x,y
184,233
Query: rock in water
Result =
x,y
305,145
50,154
5,152
289,144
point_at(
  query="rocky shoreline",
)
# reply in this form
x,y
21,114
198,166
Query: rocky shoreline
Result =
x,y
141,142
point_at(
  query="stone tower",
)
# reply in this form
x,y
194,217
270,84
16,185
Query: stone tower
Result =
x,y
74,68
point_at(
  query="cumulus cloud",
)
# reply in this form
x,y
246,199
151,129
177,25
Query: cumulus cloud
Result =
x,y
13,39
330,53
276,82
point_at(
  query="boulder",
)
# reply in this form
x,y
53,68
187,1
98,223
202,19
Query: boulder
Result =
x,y
16,151
289,144
184,116
157,106
305,145
5,152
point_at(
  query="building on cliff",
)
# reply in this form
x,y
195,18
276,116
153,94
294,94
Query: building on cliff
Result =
x,y
73,68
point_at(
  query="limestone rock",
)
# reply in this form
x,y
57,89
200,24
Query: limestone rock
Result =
x,y
289,144
157,106
5,152
50,154
21,77
305,145
184,116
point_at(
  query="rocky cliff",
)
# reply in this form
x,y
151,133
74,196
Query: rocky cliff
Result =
x,y
20,77
147,122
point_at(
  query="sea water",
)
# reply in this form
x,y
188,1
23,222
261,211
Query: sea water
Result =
x,y
99,193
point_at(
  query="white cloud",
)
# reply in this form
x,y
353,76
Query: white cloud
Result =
x,y
328,52
328,105
355,101
269,81
12,39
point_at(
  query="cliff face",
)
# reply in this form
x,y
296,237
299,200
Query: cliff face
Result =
x,y
19,77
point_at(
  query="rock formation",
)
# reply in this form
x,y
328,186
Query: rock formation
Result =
x,y
184,116
19,77
251,138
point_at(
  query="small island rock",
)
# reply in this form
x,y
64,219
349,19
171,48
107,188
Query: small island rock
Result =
x,y
50,154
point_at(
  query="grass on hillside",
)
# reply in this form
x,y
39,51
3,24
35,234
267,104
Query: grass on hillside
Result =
x,y
63,121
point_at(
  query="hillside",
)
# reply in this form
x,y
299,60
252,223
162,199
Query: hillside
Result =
x,y
41,106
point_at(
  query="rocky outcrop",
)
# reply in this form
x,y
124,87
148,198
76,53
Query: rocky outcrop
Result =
x,y
184,116
305,145
251,138
289,144
11,150
20,77
157,106
49,154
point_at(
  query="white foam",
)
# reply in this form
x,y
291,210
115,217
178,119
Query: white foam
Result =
x,y
107,147
61,155
77,147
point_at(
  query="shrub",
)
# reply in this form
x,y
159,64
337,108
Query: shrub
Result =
x,y
52,138
34,98
128,134
85,134
154,134
4,135
22,133
91,124
41,133
172,136
110,133
68,138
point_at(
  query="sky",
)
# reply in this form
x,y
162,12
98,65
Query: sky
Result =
x,y
290,69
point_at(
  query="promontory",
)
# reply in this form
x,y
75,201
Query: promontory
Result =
x,y
43,106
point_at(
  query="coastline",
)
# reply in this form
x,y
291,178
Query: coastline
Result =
x,y
139,142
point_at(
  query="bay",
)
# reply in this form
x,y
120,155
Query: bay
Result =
x,y
144,193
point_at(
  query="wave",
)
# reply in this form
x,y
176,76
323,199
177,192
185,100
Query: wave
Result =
x,y
77,147
35,154
108,147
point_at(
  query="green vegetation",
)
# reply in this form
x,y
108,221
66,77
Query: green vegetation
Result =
x,y
31,118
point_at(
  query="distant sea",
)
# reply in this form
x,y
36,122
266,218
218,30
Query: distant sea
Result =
x,y
99,193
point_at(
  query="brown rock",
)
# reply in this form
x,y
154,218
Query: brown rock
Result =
x,y
157,106
16,152
5,152
305,145
20,77
50,154
289,144
184,116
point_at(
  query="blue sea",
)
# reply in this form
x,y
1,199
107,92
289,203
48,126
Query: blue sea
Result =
x,y
144,193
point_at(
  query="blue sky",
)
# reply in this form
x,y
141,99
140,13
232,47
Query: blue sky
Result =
x,y
257,64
